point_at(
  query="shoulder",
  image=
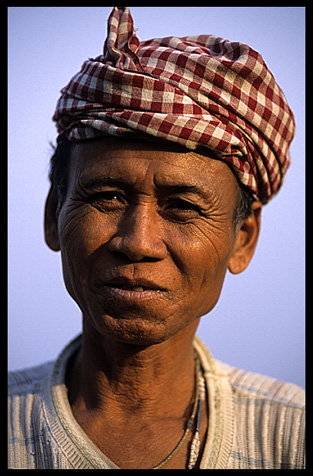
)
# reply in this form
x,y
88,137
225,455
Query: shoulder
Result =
x,y
29,379
271,414
34,428
25,417
266,416
251,385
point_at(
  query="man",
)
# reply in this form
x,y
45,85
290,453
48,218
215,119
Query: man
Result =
x,y
167,150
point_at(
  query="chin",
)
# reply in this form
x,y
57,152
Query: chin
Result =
x,y
136,331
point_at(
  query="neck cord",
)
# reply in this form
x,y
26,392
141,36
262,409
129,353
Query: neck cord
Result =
x,y
197,409
195,445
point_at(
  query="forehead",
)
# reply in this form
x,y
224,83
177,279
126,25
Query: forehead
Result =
x,y
141,162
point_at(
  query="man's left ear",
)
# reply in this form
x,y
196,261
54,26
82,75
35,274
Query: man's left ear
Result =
x,y
51,220
246,241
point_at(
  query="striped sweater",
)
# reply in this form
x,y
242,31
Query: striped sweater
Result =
x,y
256,422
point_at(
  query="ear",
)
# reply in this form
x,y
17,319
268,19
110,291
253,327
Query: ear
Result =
x,y
246,241
51,220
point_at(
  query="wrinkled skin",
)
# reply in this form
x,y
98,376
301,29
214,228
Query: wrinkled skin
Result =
x,y
146,223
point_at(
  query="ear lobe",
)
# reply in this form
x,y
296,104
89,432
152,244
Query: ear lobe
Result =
x,y
51,220
246,241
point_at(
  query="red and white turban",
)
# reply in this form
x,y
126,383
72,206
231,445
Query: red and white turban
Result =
x,y
197,91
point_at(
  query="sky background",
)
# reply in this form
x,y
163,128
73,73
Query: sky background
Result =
x,y
258,323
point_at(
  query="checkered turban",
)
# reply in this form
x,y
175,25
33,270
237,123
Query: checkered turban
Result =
x,y
197,91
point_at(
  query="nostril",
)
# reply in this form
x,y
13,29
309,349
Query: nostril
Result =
x,y
126,259
138,248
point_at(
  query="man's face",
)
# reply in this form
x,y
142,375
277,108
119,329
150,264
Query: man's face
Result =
x,y
146,234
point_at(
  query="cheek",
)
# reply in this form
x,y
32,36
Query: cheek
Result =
x,y
203,260
80,237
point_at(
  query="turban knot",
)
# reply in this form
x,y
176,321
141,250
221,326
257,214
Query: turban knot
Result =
x,y
197,91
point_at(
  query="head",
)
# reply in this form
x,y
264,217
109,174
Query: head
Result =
x,y
153,216
148,228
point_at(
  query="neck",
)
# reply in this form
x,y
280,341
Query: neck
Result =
x,y
126,380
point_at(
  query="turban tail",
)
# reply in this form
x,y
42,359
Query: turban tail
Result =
x,y
197,91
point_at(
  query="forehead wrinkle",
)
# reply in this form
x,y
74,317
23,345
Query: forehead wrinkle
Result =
x,y
189,171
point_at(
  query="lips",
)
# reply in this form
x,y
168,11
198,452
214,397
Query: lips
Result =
x,y
135,285
132,290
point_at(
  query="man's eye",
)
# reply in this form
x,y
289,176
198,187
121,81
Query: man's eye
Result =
x,y
182,209
110,196
108,200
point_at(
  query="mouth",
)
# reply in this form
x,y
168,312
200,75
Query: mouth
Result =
x,y
136,289
128,289
138,285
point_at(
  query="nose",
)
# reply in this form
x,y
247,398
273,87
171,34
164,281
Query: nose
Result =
x,y
139,235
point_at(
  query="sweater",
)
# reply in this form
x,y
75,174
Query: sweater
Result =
x,y
256,422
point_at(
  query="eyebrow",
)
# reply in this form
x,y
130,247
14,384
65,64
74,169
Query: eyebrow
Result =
x,y
94,183
180,189
103,180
